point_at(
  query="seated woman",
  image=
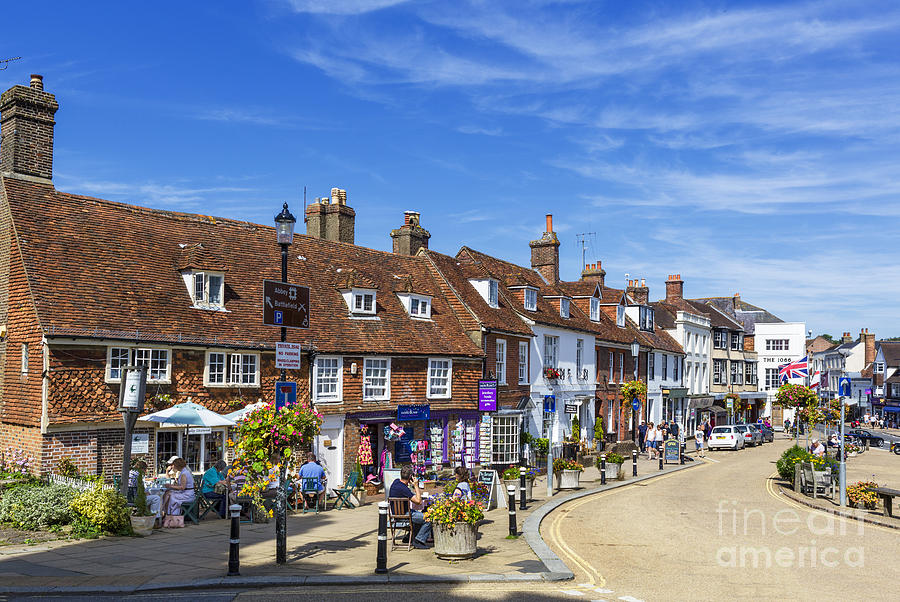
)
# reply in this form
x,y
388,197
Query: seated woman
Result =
x,y
138,470
181,491
462,489
214,479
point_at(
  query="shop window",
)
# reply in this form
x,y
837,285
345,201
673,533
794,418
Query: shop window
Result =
x,y
505,440
439,373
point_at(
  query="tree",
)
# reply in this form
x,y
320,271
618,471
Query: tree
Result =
x,y
829,338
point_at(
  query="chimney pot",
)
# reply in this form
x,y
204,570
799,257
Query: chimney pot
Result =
x,y
37,81
549,222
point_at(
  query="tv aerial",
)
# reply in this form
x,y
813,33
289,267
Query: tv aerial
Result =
x,y
4,63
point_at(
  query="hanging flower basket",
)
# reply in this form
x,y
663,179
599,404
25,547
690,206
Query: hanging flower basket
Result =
x,y
552,373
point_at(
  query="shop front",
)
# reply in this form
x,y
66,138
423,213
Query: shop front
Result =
x,y
200,447
674,404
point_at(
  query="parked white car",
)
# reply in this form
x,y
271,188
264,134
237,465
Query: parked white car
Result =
x,y
725,437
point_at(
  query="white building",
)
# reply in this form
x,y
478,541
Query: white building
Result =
x,y
777,344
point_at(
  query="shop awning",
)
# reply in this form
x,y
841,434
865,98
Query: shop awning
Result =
x,y
675,392
753,395
718,410
891,408
697,403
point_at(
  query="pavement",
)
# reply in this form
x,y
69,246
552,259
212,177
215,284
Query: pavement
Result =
x,y
333,547
723,531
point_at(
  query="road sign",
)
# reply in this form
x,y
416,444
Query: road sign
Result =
x,y
285,304
571,408
285,394
287,356
844,386
549,403
729,404
636,404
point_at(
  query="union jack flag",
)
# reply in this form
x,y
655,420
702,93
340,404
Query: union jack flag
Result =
x,y
798,369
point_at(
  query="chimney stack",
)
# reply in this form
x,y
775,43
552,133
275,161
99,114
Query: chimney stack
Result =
x,y
674,288
736,302
593,272
410,237
846,338
868,339
545,253
331,218
638,291
26,130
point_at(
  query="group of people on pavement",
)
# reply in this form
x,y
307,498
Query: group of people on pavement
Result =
x,y
420,529
651,437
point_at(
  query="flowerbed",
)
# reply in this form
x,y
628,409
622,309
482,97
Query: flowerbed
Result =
x,y
448,511
795,455
862,494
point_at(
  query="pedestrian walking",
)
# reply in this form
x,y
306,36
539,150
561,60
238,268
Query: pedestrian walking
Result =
x,y
660,437
642,436
651,441
700,441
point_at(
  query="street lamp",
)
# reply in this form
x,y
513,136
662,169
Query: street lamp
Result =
x,y
635,351
284,234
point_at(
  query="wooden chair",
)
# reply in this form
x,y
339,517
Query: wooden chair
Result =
x,y
207,505
400,519
191,510
344,493
309,486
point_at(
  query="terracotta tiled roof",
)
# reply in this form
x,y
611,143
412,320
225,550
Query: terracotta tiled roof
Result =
x,y
105,267
198,257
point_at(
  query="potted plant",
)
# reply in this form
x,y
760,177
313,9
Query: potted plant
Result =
x,y
599,442
511,477
614,463
862,494
567,473
142,520
455,526
552,373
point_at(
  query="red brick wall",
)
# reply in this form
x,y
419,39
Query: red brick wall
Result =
x,y
507,395
93,451
23,438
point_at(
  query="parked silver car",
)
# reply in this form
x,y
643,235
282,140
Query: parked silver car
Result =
x,y
751,436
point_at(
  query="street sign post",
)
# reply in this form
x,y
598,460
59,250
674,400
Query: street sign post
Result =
x,y
131,404
285,305
844,386
285,394
287,356
636,404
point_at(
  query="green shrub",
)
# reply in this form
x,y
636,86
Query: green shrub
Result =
x,y
106,509
612,458
37,507
66,467
795,455
598,429
541,446
82,528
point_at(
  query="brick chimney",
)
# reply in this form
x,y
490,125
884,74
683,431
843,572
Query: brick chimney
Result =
x,y
736,302
545,253
638,291
674,288
26,130
868,338
593,272
410,237
331,218
846,338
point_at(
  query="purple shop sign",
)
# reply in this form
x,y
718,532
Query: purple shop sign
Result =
x,y
487,395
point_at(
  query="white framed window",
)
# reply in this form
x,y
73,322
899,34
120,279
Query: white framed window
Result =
x,y
328,377
500,363
530,299
505,440
750,373
420,307
551,351
564,307
777,344
224,369
208,288
376,378
493,293
720,339
156,360
363,301
879,368
595,309
675,361
579,357
719,377
523,362
24,358
440,372
620,316
737,341
737,373
646,316
621,367
546,424
611,367
664,373
651,368
772,381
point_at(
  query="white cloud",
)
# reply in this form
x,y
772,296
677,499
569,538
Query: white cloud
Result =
x,y
342,7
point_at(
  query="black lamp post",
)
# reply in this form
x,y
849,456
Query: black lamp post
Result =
x,y
284,232
635,351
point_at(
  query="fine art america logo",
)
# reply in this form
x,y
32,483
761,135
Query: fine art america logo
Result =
x,y
787,539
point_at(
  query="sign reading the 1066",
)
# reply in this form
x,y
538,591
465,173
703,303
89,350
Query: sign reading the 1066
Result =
x,y
285,304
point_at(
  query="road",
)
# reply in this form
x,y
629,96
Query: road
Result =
x,y
720,531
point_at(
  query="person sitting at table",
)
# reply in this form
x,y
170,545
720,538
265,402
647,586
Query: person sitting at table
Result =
x,y
817,448
138,470
400,488
462,489
181,491
312,470
271,490
171,473
213,479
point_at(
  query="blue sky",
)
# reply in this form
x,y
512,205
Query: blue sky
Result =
x,y
750,147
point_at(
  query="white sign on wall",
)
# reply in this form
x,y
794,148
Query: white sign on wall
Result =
x,y
287,356
132,395
140,443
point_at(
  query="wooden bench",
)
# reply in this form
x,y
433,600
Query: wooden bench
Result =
x,y
887,499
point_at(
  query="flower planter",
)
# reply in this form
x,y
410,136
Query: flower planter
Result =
x,y
142,525
358,497
529,483
614,471
456,543
567,479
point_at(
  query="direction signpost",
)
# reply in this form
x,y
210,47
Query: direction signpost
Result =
x,y
285,305
131,404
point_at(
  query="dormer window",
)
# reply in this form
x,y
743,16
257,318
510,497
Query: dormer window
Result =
x,y
363,301
564,308
646,318
417,306
595,309
493,293
207,289
620,316
530,299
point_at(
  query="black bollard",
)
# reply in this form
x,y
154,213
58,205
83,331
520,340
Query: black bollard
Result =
x,y
381,560
511,490
603,469
234,558
634,463
681,453
661,457
522,487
